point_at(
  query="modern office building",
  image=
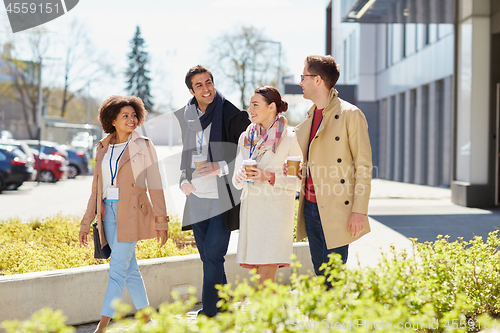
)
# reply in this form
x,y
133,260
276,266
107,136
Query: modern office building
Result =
x,y
428,77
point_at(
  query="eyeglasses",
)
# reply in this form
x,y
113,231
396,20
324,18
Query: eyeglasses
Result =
x,y
304,75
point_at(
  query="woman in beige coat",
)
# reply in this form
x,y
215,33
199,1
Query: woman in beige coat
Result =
x,y
268,197
126,163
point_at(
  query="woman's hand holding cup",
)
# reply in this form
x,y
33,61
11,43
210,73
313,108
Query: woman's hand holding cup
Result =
x,y
240,175
249,165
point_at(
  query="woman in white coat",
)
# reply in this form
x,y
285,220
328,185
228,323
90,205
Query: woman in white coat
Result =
x,y
268,197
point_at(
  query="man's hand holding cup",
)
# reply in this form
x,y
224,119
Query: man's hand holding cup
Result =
x,y
293,166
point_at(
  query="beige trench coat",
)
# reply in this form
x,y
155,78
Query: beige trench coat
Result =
x,y
340,162
136,218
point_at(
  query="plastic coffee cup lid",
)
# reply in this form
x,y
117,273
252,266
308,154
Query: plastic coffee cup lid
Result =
x,y
199,157
249,162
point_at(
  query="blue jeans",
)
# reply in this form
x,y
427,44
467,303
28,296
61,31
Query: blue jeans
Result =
x,y
317,243
212,240
123,268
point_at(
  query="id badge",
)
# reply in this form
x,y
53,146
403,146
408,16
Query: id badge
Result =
x,y
192,160
112,193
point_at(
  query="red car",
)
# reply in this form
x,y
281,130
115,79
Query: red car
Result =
x,y
52,167
54,161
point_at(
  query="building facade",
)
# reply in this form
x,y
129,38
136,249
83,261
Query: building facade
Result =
x,y
427,74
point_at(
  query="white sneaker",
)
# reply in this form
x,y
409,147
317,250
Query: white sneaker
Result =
x,y
152,322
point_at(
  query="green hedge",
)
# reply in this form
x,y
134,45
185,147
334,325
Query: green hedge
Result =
x,y
441,286
53,244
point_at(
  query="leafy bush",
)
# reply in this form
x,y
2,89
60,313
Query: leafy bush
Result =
x,y
53,244
441,286
43,321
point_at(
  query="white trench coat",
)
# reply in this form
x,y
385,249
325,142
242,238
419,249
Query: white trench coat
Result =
x,y
267,212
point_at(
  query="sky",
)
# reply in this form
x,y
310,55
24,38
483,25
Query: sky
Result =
x,y
180,34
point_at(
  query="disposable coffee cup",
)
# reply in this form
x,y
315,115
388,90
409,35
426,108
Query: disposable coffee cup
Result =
x,y
247,164
199,160
293,165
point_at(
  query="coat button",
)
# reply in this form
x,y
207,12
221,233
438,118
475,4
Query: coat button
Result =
x,y
336,116
346,202
339,160
337,138
134,207
342,182
142,206
133,184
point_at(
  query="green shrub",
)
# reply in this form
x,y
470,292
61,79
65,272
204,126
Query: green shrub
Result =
x,y
43,321
53,244
441,286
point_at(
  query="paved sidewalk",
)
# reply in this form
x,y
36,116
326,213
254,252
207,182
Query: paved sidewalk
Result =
x,y
400,211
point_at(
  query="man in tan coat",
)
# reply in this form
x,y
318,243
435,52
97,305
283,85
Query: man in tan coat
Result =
x,y
337,168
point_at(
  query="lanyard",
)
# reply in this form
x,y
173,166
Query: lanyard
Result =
x,y
200,141
113,175
252,146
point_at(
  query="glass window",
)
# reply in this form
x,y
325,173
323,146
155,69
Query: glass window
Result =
x,y
49,150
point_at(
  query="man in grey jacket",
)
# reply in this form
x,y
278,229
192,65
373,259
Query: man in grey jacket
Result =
x,y
211,126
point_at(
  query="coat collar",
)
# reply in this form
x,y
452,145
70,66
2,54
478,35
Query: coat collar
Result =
x,y
303,130
133,148
329,107
106,141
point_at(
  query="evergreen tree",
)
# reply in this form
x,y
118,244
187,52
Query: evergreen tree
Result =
x,y
137,73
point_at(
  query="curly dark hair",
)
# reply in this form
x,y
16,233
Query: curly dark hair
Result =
x,y
110,109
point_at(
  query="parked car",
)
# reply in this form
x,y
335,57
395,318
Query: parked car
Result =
x,y
83,140
23,146
52,167
48,147
78,161
14,169
6,135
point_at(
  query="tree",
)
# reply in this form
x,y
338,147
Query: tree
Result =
x,y
137,73
76,107
245,58
83,64
24,74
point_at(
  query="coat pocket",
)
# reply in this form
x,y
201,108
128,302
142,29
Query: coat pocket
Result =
x,y
143,205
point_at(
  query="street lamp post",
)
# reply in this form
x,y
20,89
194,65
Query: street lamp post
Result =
x,y
39,111
39,119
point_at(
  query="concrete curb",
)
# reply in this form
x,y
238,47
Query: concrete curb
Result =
x,y
79,292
